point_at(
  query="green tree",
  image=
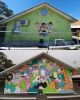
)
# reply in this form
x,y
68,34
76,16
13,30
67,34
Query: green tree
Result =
x,y
4,62
5,10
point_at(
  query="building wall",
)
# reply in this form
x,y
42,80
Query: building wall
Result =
x,y
76,33
76,84
40,73
60,24
76,80
75,72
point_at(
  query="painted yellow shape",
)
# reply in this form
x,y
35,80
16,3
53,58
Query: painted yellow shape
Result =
x,y
52,85
55,74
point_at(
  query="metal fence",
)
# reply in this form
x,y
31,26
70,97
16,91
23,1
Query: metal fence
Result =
x,y
29,39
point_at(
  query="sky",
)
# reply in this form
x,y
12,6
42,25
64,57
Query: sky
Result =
x,y
71,7
71,57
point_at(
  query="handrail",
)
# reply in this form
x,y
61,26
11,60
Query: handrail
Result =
x,y
59,97
18,98
36,32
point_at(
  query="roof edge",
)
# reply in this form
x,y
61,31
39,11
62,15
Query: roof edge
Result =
x,y
41,4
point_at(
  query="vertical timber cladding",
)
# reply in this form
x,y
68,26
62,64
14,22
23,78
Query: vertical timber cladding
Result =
x,y
41,73
60,26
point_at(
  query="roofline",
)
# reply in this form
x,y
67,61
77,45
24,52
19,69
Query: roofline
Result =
x,y
37,56
63,12
33,8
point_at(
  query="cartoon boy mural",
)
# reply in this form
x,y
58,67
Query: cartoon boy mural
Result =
x,y
39,84
40,76
17,79
9,85
43,29
50,27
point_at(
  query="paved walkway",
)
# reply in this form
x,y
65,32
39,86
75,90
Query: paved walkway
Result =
x,y
18,98
41,97
70,96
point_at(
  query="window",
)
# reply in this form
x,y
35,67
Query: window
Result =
x,y
16,27
79,83
44,12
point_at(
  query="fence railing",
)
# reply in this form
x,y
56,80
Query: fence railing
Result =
x,y
31,39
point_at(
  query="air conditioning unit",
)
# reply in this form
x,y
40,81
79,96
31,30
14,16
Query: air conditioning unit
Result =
x,y
24,22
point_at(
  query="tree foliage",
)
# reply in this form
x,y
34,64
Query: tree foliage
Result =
x,y
4,62
5,10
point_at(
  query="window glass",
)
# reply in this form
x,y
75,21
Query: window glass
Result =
x,y
44,12
16,27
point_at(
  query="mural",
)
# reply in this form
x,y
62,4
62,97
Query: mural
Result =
x,y
39,76
44,28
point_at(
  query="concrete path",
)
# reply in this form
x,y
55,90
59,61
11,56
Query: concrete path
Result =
x,y
41,97
70,96
18,98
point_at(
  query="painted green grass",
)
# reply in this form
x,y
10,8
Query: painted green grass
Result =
x,y
50,90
